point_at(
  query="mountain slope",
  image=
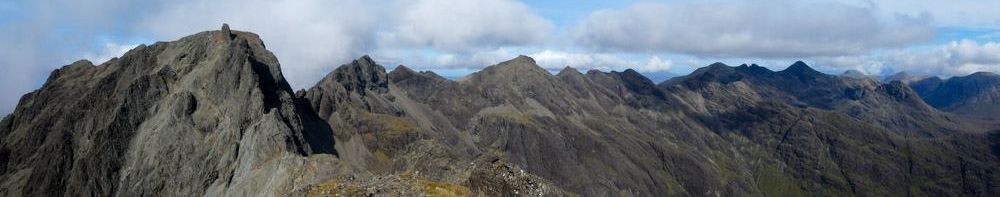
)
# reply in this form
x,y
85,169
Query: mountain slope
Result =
x,y
380,129
980,89
827,134
890,105
976,96
586,120
210,114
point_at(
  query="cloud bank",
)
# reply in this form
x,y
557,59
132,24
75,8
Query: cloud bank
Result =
x,y
311,37
769,29
956,58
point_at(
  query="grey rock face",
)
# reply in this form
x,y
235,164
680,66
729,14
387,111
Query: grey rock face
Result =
x,y
202,115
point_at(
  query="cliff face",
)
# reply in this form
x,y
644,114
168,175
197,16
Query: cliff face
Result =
x,y
834,131
210,114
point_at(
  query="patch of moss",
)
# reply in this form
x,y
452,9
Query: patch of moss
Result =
x,y
382,157
773,182
390,125
721,161
519,118
388,133
323,189
433,188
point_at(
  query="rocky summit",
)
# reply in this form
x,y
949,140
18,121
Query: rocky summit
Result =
x,y
212,115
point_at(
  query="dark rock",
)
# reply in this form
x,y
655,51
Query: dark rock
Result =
x,y
976,96
189,117
855,93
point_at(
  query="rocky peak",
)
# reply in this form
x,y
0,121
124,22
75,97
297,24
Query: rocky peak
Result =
x,y
517,66
523,59
79,63
225,29
634,75
924,86
361,85
638,83
714,66
755,69
854,74
716,72
214,104
402,72
971,95
520,70
984,75
567,71
572,76
362,74
224,34
800,68
717,64
897,76
901,92
403,69
71,68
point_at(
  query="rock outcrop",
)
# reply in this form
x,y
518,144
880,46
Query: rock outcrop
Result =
x,y
209,114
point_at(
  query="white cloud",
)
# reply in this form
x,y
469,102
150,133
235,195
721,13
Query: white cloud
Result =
x,y
863,63
770,29
421,59
654,64
465,25
39,36
955,58
586,61
311,37
964,13
110,50
558,59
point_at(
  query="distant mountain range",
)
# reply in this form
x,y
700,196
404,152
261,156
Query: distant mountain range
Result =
x,y
976,95
212,115
905,77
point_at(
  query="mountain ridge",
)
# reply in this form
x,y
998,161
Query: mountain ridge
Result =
x,y
211,114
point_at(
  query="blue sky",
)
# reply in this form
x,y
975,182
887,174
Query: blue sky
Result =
x,y
453,38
